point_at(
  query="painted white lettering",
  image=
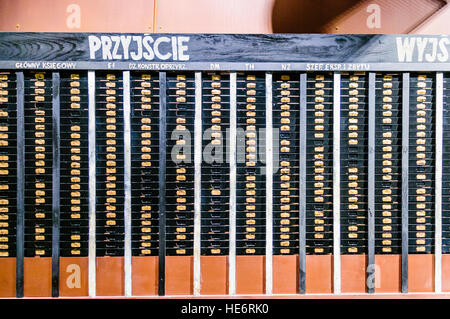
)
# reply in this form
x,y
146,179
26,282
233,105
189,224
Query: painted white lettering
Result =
x,y
443,55
405,49
174,48
421,44
94,45
137,55
106,47
115,54
182,49
134,47
125,40
156,48
214,66
146,42
28,65
432,57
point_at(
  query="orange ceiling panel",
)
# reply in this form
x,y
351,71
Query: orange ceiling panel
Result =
x,y
77,15
383,16
231,16
214,16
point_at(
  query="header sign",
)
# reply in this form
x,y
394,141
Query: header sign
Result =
x,y
310,52
138,47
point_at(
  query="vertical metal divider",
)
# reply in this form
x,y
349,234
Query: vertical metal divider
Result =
x,y
438,184
20,184
127,183
371,187
197,181
162,185
92,185
336,182
55,182
302,187
405,168
269,185
232,159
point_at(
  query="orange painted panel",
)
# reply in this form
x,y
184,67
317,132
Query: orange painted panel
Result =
x,y
73,276
388,277
145,275
395,16
437,24
7,277
250,275
353,273
37,274
214,275
420,273
445,272
214,16
179,275
218,16
285,274
110,276
319,274
76,16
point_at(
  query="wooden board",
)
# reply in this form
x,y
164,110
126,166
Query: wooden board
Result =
x,y
312,52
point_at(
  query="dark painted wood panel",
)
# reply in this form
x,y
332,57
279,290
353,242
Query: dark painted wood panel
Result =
x,y
225,47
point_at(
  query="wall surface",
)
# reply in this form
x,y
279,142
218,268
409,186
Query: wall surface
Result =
x,y
232,16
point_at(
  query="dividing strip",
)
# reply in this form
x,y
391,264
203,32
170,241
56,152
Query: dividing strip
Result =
x,y
92,186
438,184
162,184
127,183
20,183
405,193
336,182
55,183
232,159
197,181
302,187
371,187
269,185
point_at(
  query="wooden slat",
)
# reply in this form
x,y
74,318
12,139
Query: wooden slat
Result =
x,y
279,48
336,182
302,187
371,186
55,183
92,185
127,183
232,219
405,167
20,184
162,184
197,181
269,185
438,184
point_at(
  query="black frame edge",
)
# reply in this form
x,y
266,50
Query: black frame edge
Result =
x,y
55,182
20,185
302,186
162,184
